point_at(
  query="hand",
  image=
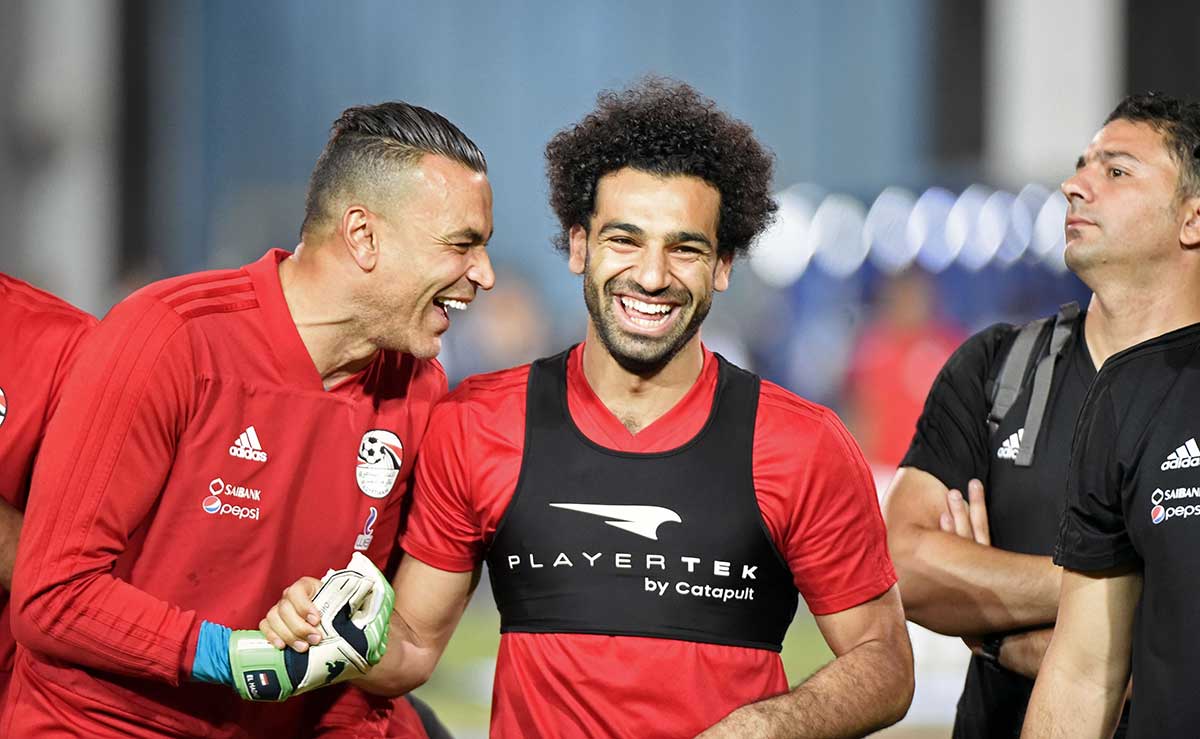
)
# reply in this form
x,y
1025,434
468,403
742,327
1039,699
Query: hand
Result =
x,y
967,518
353,608
294,619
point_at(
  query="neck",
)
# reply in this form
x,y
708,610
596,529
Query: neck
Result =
x,y
324,315
1122,315
640,400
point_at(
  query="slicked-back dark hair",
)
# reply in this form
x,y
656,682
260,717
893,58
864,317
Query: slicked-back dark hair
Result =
x,y
666,128
1179,123
370,144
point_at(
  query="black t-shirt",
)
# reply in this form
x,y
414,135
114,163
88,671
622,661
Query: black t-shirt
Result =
x,y
1134,489
954,444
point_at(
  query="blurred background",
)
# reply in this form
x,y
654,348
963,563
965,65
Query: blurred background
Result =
x,y
920,144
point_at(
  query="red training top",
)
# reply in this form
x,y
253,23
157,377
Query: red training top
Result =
x,y
816,496
41,333
197,466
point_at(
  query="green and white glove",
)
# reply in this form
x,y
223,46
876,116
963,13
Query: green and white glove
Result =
x,y
355,604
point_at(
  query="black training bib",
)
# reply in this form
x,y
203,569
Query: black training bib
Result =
x,y
668,545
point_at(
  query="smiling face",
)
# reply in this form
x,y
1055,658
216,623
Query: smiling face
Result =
x,y
1124,208
432,255
650,264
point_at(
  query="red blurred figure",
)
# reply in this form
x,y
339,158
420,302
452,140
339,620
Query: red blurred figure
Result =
x,y
894,362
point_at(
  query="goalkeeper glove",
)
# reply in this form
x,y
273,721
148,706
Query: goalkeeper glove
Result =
x,y
355,604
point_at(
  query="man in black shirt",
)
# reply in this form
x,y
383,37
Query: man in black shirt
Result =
x,y
1128,541
980,568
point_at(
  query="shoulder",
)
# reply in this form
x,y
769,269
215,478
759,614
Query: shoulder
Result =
x,y
482,388
486,396
200,293
29,306
800,430
202,303
780,407
984,349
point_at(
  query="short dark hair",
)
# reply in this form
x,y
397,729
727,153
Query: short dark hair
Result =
x,y
665,128
369,144
1179,123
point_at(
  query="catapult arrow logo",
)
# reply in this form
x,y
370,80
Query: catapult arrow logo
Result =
x,y
642,520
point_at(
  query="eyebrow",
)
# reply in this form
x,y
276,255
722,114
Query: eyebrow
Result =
x,y
626,227
469,235
1107,155
679,237
675,237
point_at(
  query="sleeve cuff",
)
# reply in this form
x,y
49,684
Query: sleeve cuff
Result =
x,y
439,560
826,605
189,652
1083,562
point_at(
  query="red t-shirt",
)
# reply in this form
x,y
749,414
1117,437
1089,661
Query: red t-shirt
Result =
x,y
41,333
197,466
816,496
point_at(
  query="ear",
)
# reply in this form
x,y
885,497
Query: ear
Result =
x,y
359,236
722,272
1189,232
577,260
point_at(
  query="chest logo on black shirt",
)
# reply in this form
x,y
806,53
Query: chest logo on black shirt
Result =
x,y
1187,455
642,520
1163,505
380,456
1011,447
3,406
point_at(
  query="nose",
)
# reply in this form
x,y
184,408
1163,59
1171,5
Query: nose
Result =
x,y
653,271
1077,186
480,272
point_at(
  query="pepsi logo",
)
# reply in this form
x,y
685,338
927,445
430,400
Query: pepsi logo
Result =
x,y
3,406
1158,514
211,504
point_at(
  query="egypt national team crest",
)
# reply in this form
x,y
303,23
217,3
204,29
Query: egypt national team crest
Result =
x,y
380,455
3,407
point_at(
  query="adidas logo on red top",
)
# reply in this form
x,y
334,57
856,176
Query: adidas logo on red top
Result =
x,y
247,446
1187,455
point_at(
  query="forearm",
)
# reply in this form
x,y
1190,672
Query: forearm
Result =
x,y
1067,704
864,690
429,605
104,623
405,666
957,587
1085,675
10,532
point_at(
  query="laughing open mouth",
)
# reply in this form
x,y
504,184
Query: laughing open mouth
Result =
x,y
647,315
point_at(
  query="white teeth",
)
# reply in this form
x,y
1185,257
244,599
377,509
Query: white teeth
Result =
x,y
641,307
450,303
646,323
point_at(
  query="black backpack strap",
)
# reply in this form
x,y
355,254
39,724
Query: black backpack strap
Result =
x,y
1012,372
1064,327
